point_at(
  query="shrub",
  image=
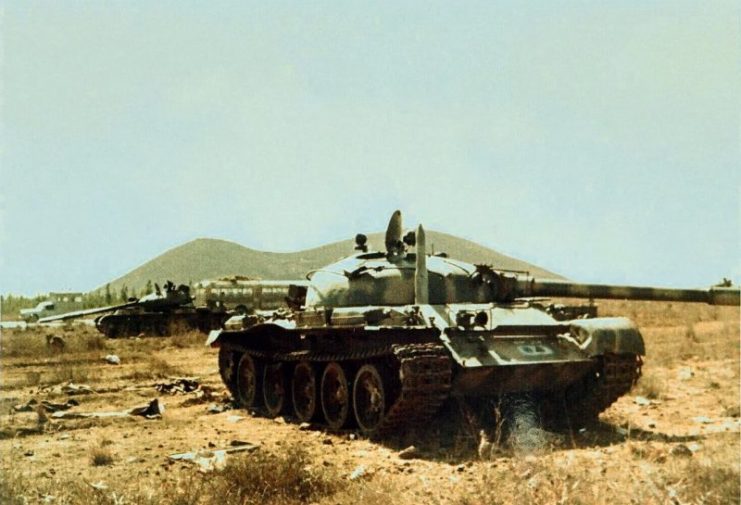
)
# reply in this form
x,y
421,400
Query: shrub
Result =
x,y
268,478
101,455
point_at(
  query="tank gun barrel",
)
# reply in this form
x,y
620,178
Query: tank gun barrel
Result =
x,y
715,295
86,312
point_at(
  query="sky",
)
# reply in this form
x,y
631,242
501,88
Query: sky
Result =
x,y
599,140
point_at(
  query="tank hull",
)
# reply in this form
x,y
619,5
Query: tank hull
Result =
x,y
134,323
421,363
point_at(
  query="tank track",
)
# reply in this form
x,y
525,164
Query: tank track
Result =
x,y
425,373
617,376
425,376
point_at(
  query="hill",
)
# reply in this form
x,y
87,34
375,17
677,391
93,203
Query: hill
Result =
x,y
211,258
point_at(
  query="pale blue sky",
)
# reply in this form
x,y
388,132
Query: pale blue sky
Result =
x,y
599,140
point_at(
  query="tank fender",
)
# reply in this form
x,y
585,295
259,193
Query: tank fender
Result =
x,y
213,336
216,336
603,335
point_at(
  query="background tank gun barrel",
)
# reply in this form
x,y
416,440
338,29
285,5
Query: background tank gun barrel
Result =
x,y
715,295
87,312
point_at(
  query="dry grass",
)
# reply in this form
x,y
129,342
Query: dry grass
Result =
x,y
36,363
676,332
656,477
272,479
650,386
101,454
32,342
275,479
69,371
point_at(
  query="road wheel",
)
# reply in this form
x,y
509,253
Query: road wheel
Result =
x,y
274,389
369,399
303,391
249,379
335,396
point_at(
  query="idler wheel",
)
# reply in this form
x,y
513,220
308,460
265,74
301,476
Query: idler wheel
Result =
x,y
107,327
274,389
303,391
249,378
369,399
228,363
335,396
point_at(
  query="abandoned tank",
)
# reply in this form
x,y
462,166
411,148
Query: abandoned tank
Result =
x,y
380,340
165,311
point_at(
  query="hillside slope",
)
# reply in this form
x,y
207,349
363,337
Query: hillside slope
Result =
x,y
210,258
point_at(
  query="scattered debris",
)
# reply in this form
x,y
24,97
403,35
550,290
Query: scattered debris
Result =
x,y
234,419
152,410
358,472
29,406
685,374
702,419
204,394
55,343
179,385
100,485
211,460
694,447
112,359
642,401
55,407
410,452
681,450
218,408
304,426
77,389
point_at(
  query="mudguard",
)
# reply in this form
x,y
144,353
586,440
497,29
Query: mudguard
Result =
x,y
259,329
608,335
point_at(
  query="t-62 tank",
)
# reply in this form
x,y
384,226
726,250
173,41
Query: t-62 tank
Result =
x,y
163,312
379,340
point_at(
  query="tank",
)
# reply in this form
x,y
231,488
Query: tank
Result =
x,y
378,341
163,312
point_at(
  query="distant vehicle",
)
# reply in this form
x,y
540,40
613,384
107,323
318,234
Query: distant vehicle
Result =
x,y
57,303
243,295
168,310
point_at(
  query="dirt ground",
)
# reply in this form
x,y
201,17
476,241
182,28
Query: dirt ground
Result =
x,y
674,439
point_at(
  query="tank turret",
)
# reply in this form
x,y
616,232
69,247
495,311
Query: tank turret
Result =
x,y
383,338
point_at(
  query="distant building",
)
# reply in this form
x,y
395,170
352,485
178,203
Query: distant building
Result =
x,y
66,297
55,303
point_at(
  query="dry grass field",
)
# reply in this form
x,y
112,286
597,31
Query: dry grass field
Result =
x,y
674,439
